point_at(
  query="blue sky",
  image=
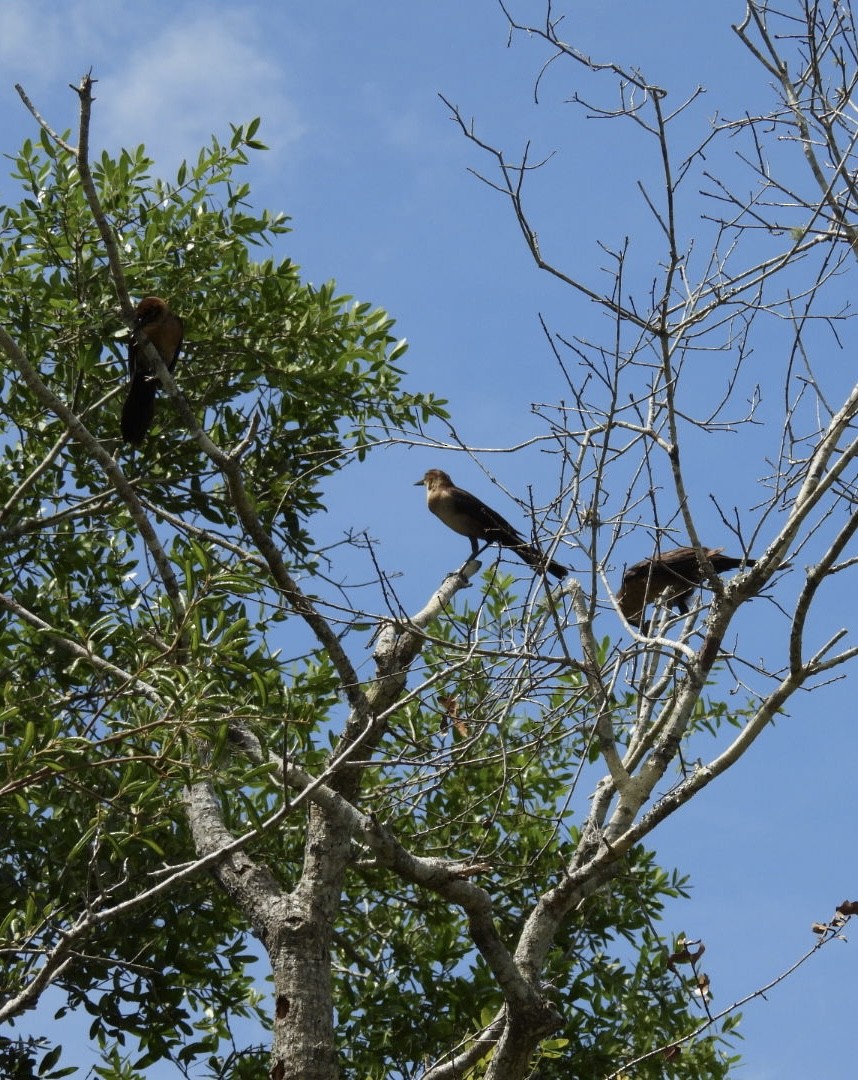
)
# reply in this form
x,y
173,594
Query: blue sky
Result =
x,y
368,164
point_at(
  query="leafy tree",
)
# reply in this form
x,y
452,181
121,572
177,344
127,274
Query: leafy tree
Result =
x,y
443,860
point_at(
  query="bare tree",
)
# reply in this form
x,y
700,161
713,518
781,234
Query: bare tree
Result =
x,y
747,292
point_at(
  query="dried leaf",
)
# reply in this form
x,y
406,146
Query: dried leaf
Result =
x,y
452,714
684,954
702,988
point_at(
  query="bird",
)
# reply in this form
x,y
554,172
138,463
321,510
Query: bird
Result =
x,y
153,321
467,515
675,573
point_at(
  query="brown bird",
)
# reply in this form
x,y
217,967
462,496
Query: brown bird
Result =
x,y
677,573
465,514
152,320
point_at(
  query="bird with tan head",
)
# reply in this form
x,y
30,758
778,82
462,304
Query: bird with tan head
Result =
x,y
467,515
155,322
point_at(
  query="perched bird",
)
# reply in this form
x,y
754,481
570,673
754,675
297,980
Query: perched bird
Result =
x,y
676,573
465,514
152,320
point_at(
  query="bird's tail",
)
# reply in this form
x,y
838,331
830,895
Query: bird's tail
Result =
x,y
538,561
139,408
727,562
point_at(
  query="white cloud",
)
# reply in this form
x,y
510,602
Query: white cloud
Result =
x,y
39,44
169,75
188,80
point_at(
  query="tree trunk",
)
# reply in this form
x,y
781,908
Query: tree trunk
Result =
x,y
303,1047
299,945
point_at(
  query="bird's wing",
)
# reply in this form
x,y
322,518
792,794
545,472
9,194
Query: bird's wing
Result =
x,y
134,360
491,525
680,563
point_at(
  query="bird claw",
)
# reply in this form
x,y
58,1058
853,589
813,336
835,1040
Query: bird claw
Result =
x,y
466,571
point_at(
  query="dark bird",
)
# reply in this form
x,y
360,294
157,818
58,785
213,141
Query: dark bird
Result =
x,y
152,320
675,573
465,514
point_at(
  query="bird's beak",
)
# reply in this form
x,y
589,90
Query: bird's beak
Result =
x,y
419,483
